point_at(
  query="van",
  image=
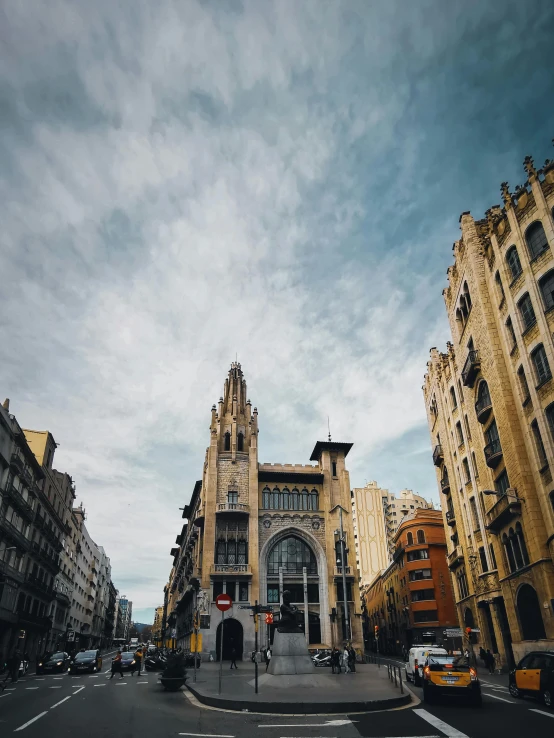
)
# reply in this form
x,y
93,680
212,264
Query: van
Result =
x,y
416,660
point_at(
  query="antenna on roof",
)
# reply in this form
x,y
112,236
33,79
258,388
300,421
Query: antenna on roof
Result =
x,y
329,428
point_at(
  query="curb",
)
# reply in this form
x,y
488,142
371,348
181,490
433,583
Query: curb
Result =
x,y
305,708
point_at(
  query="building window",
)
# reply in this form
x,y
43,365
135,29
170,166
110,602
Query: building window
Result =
x,y
423,594
421,536
542,367
425,616
502,483
491,434
474,464
483,560
546,285
467,475
536,239
467,296
499,286
474,515
467,428
232,498
453,398
524,387
291,554
410,539
240,442
266,497
459,433
515,548
539,445
294,499
493,557
242,553
527,311
227,441
275,499
549,412
512,257
314,500
418,555
418,574
511,333
272,594
285,498
243,591
463,590
334,465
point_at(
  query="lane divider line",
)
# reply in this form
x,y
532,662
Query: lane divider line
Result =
x,y
502,699
208,735
22,727
448,730
77,692
56,687
62,701
542,712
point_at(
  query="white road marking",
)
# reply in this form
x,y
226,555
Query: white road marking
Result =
x,y
11,689
98,685
542,712
327,724
61,701
448,730
4,695
22,727
58,677
77,692
496,697
31,687
93,676
56,687
142,682
121,684
40,679
208,735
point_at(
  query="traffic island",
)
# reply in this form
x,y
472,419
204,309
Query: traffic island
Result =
x,y
368,689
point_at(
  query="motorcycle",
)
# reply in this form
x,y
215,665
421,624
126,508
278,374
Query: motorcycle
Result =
x,y
155,663
321,659
23,668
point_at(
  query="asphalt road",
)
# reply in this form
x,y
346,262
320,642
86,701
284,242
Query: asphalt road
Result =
x,y
95,707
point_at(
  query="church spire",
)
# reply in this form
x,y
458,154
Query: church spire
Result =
x,y
236,424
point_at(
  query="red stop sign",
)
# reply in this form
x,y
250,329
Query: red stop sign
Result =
x,y
223,602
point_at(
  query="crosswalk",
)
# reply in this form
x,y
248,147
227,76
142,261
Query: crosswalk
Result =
x,y
29,683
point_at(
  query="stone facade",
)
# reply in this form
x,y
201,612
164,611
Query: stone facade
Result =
x,y
489,403
247,520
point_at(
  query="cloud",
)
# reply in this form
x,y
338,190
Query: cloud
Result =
x,y
280,181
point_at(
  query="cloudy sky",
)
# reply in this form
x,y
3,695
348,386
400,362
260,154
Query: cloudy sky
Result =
x,y
183,182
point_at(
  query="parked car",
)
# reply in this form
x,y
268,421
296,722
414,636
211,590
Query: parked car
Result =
x,y
416,661
55,664
86,661
448,676
534,676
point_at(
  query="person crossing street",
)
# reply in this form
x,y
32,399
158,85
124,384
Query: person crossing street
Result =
x,y
117,665
138,660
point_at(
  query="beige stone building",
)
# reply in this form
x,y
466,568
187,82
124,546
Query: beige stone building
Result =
x,y
490,405
376,514
253,527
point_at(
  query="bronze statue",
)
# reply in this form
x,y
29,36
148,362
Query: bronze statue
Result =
x,y
288,622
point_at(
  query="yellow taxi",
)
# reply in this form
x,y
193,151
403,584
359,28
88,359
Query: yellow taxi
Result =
x,y
534,676
450,676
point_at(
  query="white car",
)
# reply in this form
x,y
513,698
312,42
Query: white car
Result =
x,y
416,660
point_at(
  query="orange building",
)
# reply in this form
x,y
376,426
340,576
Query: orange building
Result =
x,y
412,601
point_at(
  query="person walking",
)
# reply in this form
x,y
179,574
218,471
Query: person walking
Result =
x,y
489,661
233,658
345,657
13,665
138,660
267,658
117,665
351,659
334,660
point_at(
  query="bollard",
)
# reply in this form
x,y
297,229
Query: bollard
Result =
x,y
401,685
395,679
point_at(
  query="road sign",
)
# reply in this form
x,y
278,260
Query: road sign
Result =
x,y
70,636
453,632
223,602
269,618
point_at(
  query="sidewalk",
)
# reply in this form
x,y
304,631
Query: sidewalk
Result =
x,y
323,692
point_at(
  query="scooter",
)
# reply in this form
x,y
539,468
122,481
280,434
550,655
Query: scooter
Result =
x,y
155,663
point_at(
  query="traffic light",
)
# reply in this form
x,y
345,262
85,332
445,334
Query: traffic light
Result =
x,y
269,618
468,632
376,632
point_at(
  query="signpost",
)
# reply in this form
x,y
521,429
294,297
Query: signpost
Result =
x,y
223,602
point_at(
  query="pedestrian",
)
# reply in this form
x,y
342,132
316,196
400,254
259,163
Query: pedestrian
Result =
x,y
138,660
13,665
117,666
267,658
233,658
483,655
352,659
334,660
345,657
489,662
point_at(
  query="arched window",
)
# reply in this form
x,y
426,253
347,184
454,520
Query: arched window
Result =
x,y
536,239
483,401
514,264
227,441
294,499
522,546
285,498
410,539
292,554
266,498
314,500
546,285
542,367
275,501
453,398
304,499
527,311
529,611
421,536
240,442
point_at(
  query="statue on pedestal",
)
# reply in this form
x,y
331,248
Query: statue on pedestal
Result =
x,y
288,622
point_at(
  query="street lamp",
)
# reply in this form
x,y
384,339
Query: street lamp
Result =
x,y
510,492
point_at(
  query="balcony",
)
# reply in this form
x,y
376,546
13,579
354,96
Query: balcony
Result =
x,y
493,453
38,621
451,518
348,572
471,368
14,535
438,456
199,517
234,508
39,586
17,461
503,512
445,485
20,503
483,409
455,557
244,569
10,572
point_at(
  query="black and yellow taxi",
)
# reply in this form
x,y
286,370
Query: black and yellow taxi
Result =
x,y
534,676
86,661
450,676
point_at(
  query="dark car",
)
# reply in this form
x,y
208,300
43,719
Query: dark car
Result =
x,y
128,662
86,661
534,676
55,664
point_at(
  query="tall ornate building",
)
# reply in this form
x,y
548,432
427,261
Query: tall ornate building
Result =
x,y
490,405
252,528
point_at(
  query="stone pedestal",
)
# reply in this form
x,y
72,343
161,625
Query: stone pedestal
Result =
x,y
289,655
